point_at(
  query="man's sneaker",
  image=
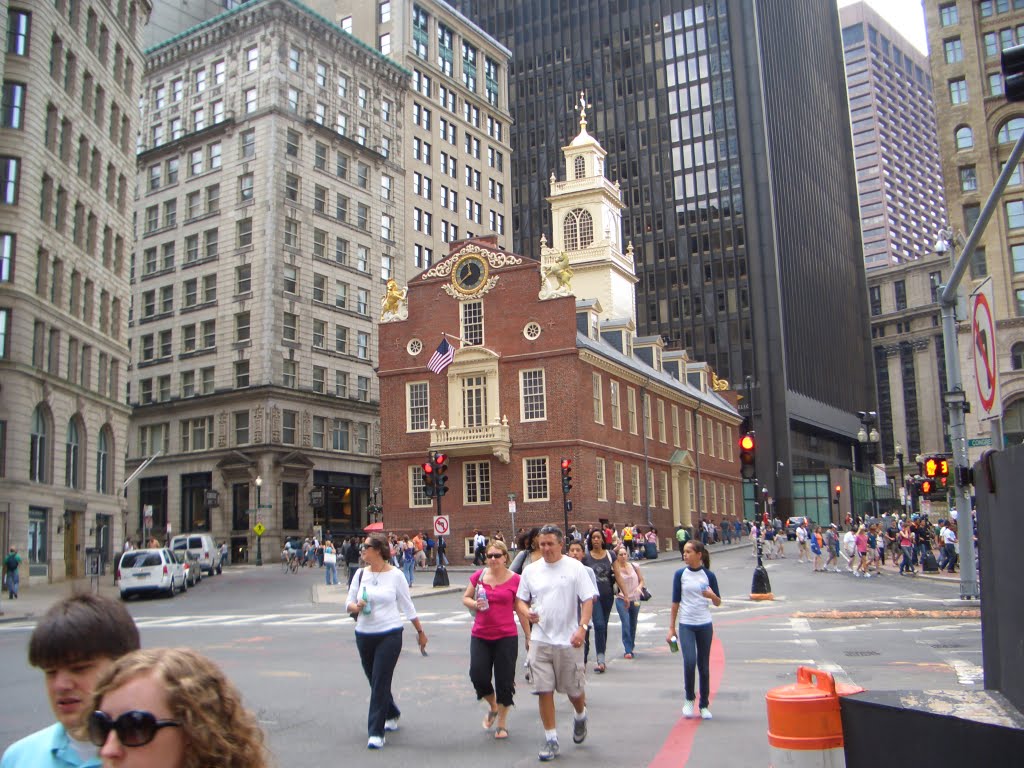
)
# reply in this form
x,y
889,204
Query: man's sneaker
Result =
x,y
687,709
391,724
375,742
549,751
705,713
579,730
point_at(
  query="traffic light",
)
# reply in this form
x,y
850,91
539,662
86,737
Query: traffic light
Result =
x,y
1013,73
429,479
839,491
925,487
441,474
566,475
747,446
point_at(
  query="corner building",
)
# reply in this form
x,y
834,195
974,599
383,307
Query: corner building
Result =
x,y
727,129
269,218
977,129
548,366
71,73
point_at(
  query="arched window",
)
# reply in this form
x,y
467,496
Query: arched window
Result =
x,y
1011,130
1017,356
1013,423
103,482
38,458
578,229
72,456
579,167
964,137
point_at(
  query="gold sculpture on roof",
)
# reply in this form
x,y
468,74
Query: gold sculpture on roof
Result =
x,y
561,271
393,305
717,384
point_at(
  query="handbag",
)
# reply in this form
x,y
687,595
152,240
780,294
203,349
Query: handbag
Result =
x,y
354,615
645,594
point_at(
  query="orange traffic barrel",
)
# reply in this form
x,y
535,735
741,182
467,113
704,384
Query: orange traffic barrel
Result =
x,y
804,725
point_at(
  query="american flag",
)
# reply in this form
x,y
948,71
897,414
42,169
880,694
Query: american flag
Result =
x,y
442,357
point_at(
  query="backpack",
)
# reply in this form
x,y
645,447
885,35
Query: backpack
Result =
x,y
11,562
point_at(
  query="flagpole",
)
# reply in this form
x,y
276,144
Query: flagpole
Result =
x,y
452,335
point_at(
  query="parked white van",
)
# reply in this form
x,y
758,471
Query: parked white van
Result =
x,y
203,547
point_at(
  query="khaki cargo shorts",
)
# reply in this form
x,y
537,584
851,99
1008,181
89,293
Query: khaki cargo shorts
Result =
x,y
557,668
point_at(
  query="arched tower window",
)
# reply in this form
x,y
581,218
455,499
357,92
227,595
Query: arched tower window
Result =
x,y
579,167
964,137
1010,131
39,456
578,230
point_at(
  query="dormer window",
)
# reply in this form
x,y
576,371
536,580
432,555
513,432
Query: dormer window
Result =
x,y
579,168
578,230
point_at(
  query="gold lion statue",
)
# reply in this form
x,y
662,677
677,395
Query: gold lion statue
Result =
x,y
392,299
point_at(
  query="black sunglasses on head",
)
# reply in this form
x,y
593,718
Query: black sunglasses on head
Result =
x,y
134,729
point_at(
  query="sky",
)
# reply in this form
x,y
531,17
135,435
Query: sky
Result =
x,y
906,16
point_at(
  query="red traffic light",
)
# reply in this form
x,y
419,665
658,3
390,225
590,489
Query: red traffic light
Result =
x,y
566,463
839,489
439,459
747,443
428,469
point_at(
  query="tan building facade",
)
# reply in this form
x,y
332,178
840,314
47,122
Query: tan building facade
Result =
x,y
458,153
71,83
270,218
977,128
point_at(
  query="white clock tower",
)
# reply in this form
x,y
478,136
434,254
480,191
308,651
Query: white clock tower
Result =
x,y
586,216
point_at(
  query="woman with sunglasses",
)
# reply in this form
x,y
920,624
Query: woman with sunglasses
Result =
x,y
380,594
600,560
494,640
172,708
627,603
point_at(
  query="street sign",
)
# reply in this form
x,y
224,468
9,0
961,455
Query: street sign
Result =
x,y
983,349
259,529
442,524
979,442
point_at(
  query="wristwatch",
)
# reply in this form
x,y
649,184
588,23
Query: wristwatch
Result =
x,y
585,627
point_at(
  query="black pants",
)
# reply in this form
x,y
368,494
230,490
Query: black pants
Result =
x,y
500,657
379,656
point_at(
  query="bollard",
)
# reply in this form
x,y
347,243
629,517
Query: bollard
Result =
x,y
805,729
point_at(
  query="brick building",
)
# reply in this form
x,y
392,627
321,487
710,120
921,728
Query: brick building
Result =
x,y
542,371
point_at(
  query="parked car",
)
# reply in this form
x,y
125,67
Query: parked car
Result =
x,y
150,570
203,547
193,571
792,523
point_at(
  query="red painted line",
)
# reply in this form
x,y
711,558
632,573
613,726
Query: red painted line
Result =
x,y
675,752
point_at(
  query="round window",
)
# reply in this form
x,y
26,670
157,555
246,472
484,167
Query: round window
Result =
x,y
414,347
532,330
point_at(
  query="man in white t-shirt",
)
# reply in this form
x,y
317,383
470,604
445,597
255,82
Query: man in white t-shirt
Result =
x,y
801,542
550,592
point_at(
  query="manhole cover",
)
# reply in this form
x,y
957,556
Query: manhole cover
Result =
x,y
862,653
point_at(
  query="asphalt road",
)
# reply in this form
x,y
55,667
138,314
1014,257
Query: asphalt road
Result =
x,y
297,667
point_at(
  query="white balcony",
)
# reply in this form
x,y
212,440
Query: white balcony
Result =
x,y
493,439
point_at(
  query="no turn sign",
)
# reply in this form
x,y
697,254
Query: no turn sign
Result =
x,y
441,525
983,343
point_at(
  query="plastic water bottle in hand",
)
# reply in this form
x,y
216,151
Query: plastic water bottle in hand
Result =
x,y
482,603
366,599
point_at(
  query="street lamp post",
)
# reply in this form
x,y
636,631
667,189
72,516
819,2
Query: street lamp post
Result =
x,y
903,479
259,539
868,437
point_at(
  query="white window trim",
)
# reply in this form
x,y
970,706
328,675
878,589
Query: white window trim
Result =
x,y
408,406
526,497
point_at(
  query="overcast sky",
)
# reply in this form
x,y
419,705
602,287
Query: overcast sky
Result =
x,y
906,16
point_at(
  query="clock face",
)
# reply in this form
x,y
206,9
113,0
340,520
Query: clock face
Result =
x,y
469,274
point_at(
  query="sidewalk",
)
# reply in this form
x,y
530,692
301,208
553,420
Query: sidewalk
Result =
x,y
33,602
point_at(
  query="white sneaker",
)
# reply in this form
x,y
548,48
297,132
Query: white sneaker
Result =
x,y
688,709
391,725
705,713
375,742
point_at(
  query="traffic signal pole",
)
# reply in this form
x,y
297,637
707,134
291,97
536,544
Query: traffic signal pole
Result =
x,y
955,397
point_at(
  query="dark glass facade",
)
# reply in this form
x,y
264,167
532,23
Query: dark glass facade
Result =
x,y
727,128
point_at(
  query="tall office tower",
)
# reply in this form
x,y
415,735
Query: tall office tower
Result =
x,y
727,129
271,195
977,130
902,209
458,125
67,131
899,176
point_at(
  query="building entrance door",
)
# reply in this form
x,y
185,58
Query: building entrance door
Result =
x,y
71,524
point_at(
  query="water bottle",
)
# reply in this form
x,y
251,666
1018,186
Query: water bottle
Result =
x,y
366,599
673,644
481,597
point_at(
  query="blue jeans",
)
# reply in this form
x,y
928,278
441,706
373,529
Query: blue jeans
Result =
x,y
628,617
379,656
602,612
331,573
13,580
695,642
908,560
951,557
408,568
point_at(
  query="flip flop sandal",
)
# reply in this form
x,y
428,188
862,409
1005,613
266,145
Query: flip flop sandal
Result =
x,y
600,668
489,720
501,733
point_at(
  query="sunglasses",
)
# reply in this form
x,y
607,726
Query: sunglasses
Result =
x,y
494,556
134,729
